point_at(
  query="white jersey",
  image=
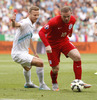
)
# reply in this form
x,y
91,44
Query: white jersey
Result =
x,y
23,35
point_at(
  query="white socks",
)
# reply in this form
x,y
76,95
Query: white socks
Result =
x,y
27,75
40,74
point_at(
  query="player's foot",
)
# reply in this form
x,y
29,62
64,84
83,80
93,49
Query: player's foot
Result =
x,y
95,73
55,87
30,86
86,85
44,87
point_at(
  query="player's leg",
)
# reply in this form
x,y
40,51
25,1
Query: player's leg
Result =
x,y
27,75
70,50
54,59
54,75
75,56
40,72
27,61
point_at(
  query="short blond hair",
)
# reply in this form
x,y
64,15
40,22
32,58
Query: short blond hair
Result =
x,y
65,9
35,8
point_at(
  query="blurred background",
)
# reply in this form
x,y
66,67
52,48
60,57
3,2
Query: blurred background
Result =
x,y
85,12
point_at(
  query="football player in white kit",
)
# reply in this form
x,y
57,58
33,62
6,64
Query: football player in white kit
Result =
x,y
21,43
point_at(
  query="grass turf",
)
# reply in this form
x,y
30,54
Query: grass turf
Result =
x,y
12,80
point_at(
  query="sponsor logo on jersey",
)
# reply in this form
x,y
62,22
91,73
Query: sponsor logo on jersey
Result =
x,y
50,61
59,28
78,66
46,27
24,37
70,26
63,34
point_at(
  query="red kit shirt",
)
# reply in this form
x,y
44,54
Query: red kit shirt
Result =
x,y
56,31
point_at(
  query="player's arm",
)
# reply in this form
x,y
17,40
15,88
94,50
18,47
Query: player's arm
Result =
x,y
47,28
14,23
33,49
42,33
95,29
44,40
70,34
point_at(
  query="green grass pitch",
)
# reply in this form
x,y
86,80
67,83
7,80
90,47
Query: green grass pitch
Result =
x,y
12,80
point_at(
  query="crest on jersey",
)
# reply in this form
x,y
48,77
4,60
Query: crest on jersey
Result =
x,y
70,26
46,26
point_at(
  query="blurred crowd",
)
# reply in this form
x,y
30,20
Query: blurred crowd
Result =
x,y
85,12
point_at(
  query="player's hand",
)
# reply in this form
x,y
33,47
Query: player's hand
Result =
x,y
96,33
36,55
70,34
13,17
48,49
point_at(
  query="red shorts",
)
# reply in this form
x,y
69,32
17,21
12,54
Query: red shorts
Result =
x,y
54,57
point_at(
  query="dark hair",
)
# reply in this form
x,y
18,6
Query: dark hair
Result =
x,y
65,9
33,8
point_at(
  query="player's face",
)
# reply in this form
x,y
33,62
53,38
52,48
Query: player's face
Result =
x,y
34,15
66,16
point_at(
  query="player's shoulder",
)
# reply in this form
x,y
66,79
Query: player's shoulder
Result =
x,y
24,20
72,19
55,19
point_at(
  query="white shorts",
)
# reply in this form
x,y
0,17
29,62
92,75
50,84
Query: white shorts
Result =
x,y
23,58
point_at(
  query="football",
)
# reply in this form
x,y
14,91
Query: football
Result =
x,y
77,85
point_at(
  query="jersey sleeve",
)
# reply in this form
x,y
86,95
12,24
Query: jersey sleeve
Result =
x,y
23,24
45,30
73,22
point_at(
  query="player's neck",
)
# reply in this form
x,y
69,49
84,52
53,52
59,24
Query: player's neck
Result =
x,y
31,20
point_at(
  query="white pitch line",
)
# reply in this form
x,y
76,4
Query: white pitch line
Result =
x,y
3,73
6,61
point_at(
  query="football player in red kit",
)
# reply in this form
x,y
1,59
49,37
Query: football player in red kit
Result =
x,y
56,42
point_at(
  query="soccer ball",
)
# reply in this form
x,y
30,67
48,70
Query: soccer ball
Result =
x,y
77,85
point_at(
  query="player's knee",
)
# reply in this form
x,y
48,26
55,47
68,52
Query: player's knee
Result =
x,y
37,62
55,70
27,69
78,58
40,64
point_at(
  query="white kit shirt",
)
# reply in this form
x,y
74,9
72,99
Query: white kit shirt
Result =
x,y
22,38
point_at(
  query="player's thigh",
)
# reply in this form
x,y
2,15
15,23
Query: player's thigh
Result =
x,y
54,57
67,47
24,59
74,55
37,62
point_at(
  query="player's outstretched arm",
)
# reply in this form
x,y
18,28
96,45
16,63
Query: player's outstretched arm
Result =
x,y
95,29
14,23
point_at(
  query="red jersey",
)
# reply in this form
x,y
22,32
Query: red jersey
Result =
x,y
56,31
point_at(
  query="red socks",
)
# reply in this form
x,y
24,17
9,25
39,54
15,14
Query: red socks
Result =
x,y
53,77
77,69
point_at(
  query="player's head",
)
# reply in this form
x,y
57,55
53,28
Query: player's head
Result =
x,y
33,13
66,13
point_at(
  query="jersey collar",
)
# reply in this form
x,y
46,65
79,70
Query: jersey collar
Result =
x,y
30,22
